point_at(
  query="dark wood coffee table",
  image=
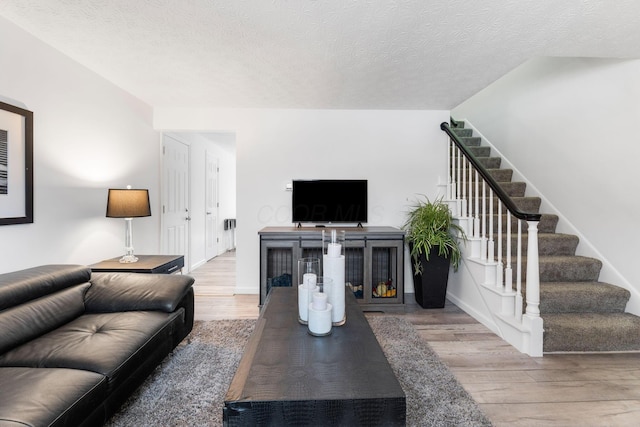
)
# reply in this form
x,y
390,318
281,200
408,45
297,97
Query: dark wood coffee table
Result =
x,y
288,377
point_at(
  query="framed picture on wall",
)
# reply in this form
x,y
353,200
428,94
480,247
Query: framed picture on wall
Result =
x,y
16,165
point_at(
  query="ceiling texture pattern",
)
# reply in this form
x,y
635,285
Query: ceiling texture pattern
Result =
x,y
323,54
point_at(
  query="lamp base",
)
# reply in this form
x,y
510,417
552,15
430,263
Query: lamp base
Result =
x,y
128,259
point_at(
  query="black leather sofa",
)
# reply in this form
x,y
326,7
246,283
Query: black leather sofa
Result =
x,y
73,346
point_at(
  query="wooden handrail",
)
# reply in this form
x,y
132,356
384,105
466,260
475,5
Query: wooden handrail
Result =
x,y
500,193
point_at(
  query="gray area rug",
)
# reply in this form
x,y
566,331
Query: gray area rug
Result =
x,y
188,388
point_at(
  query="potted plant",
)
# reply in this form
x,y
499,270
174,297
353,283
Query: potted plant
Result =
x,y
433,240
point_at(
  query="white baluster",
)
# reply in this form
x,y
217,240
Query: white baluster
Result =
x,y
519,274
476,218
491,245
500,265
463,185
508,271
470,198
457,180
483,219
451,181
458,198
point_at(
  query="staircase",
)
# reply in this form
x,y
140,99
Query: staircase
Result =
x,y
580,314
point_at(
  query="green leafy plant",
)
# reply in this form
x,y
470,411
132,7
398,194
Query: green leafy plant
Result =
x,y
430,224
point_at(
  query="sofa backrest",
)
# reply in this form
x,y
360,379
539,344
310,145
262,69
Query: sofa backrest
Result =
x,y
38,300
27,321
21,286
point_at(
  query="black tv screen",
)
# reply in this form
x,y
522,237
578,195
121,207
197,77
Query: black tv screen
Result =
x,y
329,201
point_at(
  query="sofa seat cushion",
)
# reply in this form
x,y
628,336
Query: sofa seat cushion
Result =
x,y
49,397
111,344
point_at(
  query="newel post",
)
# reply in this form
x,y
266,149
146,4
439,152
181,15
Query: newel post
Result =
x,y
532,318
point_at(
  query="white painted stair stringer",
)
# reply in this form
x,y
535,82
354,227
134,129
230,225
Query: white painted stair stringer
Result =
x,y
473,288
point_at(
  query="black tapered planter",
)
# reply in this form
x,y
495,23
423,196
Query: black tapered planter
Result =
x,y
431,285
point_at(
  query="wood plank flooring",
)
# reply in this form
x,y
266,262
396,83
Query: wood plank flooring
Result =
x,y
511,388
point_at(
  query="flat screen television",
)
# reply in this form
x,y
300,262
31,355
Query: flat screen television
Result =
x,y
329,201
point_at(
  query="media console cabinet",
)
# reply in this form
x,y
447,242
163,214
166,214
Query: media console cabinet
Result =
x,y
373,255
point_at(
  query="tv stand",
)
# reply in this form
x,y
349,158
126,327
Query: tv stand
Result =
x,y
374,256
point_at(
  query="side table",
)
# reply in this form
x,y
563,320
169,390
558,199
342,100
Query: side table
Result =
x,y
150,264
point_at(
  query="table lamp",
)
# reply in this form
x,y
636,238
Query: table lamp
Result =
x,y
128,204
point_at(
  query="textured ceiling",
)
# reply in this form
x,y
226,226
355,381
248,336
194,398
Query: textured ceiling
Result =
x,y
337,54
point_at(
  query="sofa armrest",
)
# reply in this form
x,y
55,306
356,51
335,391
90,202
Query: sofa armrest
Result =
x,y
112,292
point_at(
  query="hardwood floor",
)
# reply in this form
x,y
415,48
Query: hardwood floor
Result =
x,y
511,388
214,290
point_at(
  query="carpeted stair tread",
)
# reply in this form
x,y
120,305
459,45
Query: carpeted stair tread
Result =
x,y
548,244
555,243
471,141
529,204
591,332
513,189
490,162
565,268
480,151
501,175
547,223
576,297
462,132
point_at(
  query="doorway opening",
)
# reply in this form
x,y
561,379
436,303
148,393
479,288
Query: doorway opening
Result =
x,y
208,192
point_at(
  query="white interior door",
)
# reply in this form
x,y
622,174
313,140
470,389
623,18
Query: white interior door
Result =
x,y
175,198
211,206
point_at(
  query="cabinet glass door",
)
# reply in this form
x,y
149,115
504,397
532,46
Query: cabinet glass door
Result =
x,y
277,266
354,268
386,276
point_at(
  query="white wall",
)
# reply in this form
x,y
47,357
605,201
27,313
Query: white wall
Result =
x,y
401,153
568,124
88,136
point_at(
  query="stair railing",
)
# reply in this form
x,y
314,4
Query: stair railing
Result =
x,y
467,184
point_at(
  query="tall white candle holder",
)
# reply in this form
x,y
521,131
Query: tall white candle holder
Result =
x,y
308,272
333,266
319,315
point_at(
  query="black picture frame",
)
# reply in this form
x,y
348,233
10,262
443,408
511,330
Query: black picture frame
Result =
x,y
16,165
